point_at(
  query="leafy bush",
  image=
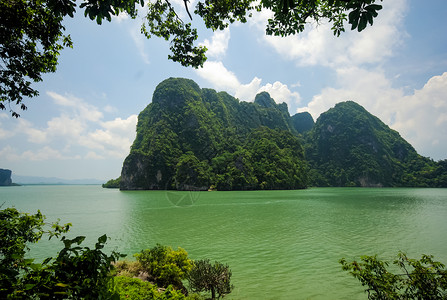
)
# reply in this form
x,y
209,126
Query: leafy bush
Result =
x,y
207,277
112,183
134,288
165,266
417,279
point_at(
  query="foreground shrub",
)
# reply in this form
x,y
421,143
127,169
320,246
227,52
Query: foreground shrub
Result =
x,y
136,289
76,272
213,278
417,279
165,266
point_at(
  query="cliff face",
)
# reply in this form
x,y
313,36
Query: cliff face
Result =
x,y
5,177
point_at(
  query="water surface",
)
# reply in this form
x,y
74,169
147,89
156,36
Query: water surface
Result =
x,y
279,244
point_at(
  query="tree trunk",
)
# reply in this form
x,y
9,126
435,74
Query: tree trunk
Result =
x,y
213,293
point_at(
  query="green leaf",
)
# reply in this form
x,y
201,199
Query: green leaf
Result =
x,y
354,18
370,18
102,239
374,7
363,22
63,285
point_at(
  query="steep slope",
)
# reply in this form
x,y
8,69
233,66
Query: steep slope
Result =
x,y
302,122
350,147
194,139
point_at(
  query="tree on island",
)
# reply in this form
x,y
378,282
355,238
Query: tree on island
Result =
x,y
32,33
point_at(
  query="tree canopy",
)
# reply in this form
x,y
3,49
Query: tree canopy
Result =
x,y
32,33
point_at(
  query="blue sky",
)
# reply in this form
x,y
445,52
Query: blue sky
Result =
x,y
83,122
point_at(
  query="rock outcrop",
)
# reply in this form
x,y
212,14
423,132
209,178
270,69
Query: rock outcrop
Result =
x,y
5,177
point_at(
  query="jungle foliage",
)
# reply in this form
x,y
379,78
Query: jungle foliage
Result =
x,y
112,183
415,279
165,266
350,147
194,139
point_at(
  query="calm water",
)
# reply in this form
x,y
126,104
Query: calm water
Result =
x,y
279,244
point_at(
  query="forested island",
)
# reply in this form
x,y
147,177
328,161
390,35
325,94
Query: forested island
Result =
x,y
190,138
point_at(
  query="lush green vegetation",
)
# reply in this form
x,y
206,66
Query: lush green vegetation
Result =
x,y
197,139
350,147
112,183
194,139
213,278
79,272
415,279
76,272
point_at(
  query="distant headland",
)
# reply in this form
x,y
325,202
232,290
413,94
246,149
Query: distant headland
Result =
x,y
5,178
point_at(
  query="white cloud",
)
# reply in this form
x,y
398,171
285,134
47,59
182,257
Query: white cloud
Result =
x,y
78,131
121,17
318,46
421,118
281,93
78,106
219,77
4,134
45,153
110,109
9,154
360,85
66,126
93,155
34,135
114,138
222,79
219,43
247,92
139,40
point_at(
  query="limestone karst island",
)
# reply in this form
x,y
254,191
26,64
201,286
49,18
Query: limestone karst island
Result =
x,y
192,138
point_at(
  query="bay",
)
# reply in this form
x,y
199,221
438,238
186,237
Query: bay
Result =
x,y
278,244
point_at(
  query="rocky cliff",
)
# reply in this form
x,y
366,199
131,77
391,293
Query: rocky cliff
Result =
x,y
5,177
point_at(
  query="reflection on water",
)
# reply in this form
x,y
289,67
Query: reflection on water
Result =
x,y
279,244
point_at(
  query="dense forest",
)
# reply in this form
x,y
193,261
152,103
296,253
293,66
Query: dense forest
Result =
x,y
350,147
190,138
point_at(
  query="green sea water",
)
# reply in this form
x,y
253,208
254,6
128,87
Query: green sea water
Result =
x,y
278,244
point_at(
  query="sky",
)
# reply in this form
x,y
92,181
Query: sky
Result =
x,y
83,122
